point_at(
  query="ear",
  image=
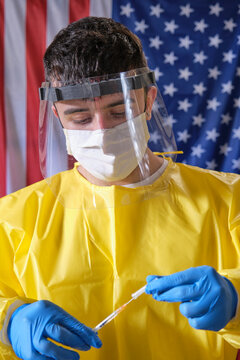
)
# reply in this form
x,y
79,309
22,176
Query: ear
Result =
x,y
54,110
151,96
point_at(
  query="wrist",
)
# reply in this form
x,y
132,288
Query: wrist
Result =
x,y
234,298
16,311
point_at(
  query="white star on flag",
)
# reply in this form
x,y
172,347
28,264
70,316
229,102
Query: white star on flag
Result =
x,y
214,73
170,120
156,106
169,89
200,26
213,104
185,42
126,10
198,120
215,9
185,73
183,136
237,103
199,88
212,134
215,41
227,87
170,26
229,25
211,165
184,105
156,10
228,56
236,133
197,150
155,42
170,58
226,118
141,26
157,73
225,149
236,163
154,137
186,10
199,57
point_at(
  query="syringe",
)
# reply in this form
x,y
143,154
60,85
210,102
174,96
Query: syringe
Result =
x,y
120,309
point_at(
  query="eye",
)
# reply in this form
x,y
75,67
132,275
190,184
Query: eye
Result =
x,y
82,121
80,118
119,114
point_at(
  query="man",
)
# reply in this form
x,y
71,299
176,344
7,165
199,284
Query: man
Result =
x,y
76,245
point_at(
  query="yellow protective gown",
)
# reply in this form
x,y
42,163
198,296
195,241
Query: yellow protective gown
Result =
x,y
88,259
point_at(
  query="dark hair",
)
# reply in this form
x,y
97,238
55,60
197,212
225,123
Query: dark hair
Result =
x,y
92,46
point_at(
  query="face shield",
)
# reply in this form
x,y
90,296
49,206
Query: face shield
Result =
x,y
104,124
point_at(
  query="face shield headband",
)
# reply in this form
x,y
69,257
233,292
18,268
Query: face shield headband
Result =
x,y
92,88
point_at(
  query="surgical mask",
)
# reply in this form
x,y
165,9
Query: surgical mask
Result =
x,y
110,154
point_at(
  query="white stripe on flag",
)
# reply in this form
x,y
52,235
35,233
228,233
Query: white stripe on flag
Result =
x,y
101,8
57,17
15,94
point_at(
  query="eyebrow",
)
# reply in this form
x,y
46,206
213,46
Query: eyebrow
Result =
x,y
77,110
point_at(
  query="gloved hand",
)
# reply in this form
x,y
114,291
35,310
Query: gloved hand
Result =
x,y
31,324
208,300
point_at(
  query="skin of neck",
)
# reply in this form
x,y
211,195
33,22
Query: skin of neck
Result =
x,y
135,176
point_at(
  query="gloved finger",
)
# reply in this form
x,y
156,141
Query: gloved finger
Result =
x,y
198,308
179,293
185,277
208,322
53,351
64,336
36,356
151,277
85,333
31,354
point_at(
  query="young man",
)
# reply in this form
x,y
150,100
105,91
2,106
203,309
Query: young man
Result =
x,y
75,246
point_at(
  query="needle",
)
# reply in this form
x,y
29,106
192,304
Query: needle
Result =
x,y
110,317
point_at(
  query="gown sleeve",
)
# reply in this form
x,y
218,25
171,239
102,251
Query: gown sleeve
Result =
x,y
11,292
231,332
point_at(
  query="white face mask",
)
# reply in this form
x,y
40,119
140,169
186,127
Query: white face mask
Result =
x,y
110,154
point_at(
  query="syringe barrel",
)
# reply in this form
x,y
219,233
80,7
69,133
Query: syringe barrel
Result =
x,y
105,321
139,292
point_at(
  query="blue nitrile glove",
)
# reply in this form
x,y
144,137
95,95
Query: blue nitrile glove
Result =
x,y
31,324
209,300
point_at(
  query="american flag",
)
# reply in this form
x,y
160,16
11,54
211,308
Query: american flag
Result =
x,y
193,46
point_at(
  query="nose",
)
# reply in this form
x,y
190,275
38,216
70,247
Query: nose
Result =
x,y
100,121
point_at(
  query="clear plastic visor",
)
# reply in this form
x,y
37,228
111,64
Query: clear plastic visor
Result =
x,y
103,124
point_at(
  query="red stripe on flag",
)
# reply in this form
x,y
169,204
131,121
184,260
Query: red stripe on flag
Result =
x,y
36,15
2,107
78,9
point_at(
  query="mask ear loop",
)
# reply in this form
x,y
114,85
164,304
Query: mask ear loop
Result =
x,y
163,154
